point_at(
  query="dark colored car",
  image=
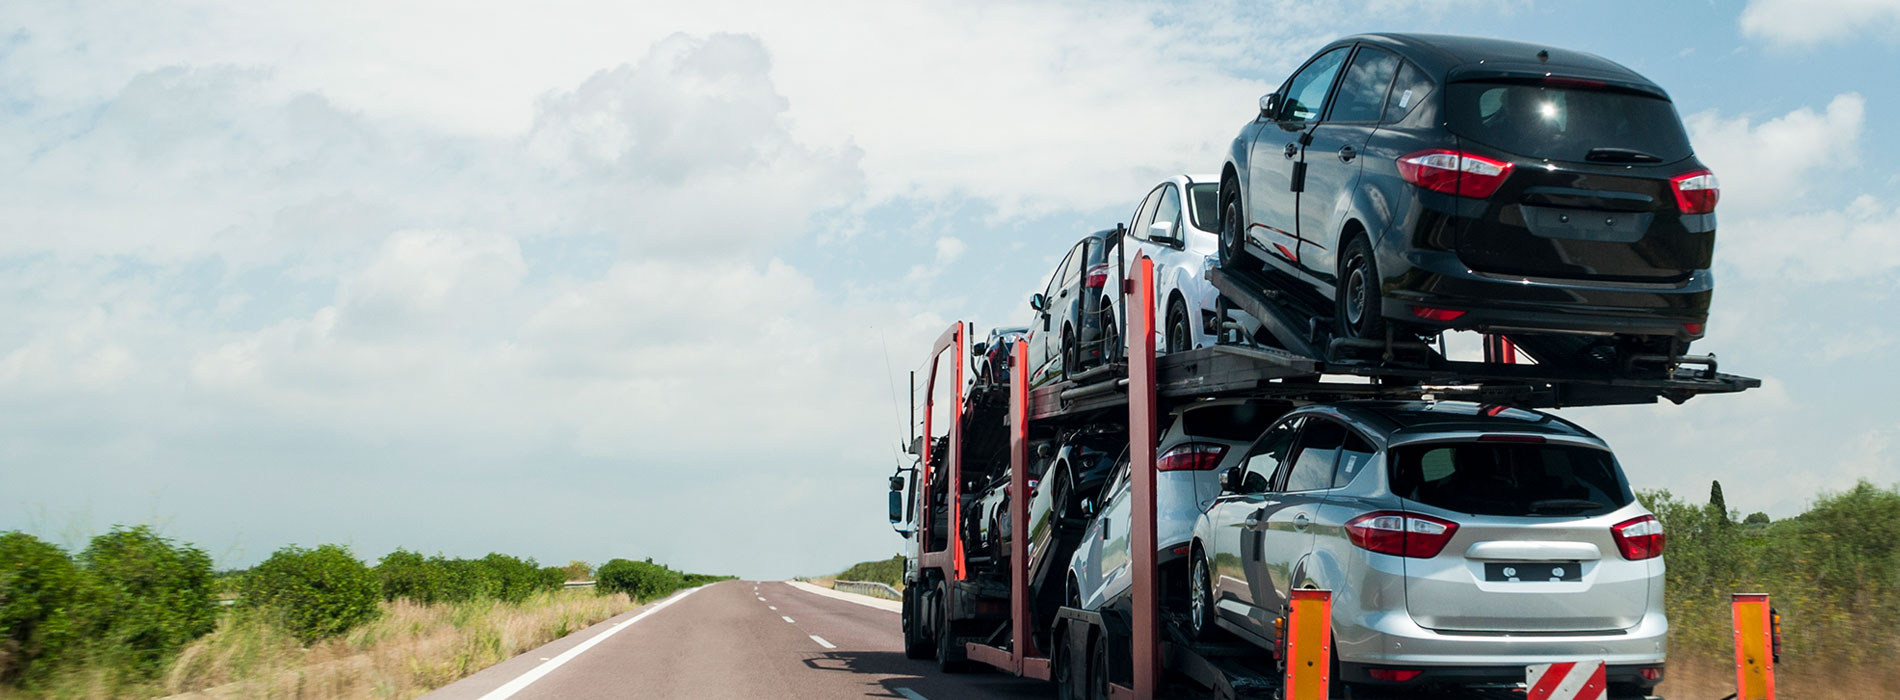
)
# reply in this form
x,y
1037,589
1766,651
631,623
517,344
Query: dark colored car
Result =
x,y
1065,332
990,358
1428,183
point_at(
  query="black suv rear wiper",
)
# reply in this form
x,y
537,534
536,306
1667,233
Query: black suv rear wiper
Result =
x,y
1620,155
1570,505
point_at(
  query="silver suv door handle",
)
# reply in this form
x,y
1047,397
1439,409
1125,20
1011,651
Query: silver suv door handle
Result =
x,y
1291,151
1346,154
1301,521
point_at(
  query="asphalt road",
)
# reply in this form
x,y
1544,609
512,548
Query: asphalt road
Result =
x,y
723,641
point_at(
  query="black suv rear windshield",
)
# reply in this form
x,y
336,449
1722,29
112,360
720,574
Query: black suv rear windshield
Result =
x,y
1567,123
1504,478
1231,422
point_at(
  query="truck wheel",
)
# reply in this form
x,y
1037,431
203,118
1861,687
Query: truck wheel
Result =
x,y
1098,670
1062,668
916,645
950,653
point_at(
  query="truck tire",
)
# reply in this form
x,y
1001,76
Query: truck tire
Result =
x,y
916,644
1098,670
951,656
1062,666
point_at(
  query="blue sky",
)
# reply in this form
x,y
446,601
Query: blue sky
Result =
x,y
623,279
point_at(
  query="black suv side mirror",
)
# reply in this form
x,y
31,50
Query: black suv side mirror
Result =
x,y
1269,105
979,348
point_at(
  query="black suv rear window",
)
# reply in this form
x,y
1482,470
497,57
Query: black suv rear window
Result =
x,y
1231,422
1565,123
1516,479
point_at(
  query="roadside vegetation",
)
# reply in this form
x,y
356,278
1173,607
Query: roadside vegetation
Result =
x,y
1832,572
138,615
889,572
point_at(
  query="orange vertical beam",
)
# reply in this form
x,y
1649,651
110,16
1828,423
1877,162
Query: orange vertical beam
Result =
x,y
1019,621
955,458
1754,647
1146,645
1309,645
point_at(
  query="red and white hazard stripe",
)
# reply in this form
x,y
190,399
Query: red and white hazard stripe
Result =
x,y
1570,680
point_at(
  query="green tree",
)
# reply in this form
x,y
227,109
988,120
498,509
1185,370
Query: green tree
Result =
x,y
154,596
406,574
43,598
1756,518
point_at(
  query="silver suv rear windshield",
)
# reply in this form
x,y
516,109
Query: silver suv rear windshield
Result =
x,y
1510,478
1567,123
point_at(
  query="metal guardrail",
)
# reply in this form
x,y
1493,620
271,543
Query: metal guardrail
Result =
x,y
577,584
870,588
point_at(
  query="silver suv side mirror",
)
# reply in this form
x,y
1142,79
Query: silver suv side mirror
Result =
x,y
1038,302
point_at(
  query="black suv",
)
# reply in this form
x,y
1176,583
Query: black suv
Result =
x,y
1423,183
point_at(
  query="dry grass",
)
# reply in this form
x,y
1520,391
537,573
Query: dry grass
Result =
x,y
409,650
1707,676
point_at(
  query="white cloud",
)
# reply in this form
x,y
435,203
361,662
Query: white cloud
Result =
x,y
1765,165
1807,22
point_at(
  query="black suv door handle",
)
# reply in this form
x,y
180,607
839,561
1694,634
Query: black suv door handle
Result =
x,y
1292,150
1346,154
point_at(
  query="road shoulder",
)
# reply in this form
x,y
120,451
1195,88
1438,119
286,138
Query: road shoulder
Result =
x,y
864,600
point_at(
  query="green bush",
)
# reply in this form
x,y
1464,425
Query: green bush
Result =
x,y
153,596
578,570
406,574
315,593
515,579
644,580
43,598
464,580
553,578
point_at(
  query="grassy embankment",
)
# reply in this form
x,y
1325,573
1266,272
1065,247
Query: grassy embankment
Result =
x,y
138,615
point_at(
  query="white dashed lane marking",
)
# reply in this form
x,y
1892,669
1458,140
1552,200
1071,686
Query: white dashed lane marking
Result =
x,y
821,641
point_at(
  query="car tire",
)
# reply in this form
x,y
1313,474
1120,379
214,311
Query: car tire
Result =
x,y
1180,328
1071,353
1111,335
1233,228
1200,598
916,645
951,656
1358,303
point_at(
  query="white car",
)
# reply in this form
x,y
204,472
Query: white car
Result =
x,y
1199,442
1175,225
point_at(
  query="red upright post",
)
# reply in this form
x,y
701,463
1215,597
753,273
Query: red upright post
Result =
x,y
1019,621
1146,646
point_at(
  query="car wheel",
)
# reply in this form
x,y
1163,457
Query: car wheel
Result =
x,y
1098,670
1200,598
1071,354
950,653
1111,335
1359,308
1180,331
1233,227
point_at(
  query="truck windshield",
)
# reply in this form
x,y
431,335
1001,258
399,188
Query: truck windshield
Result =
x,y
1516,479
1567,123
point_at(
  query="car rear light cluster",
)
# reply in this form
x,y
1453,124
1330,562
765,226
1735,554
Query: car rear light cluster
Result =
x,y
1193,456
1097,277
1454,172
1401,534
1696,191
1639,538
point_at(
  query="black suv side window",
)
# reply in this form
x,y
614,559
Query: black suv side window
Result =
x,y
1313,461
1362,94
1268,454
1305,97
1408,91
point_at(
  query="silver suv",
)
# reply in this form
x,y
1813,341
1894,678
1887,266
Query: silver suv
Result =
x,y
1461,542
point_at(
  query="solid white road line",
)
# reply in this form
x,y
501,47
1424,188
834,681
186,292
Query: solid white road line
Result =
x,y
787,619
912,694
864,600
821,641
515,686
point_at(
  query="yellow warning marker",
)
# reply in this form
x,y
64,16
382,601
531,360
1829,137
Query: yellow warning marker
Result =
x,y
1754,647
1309,645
